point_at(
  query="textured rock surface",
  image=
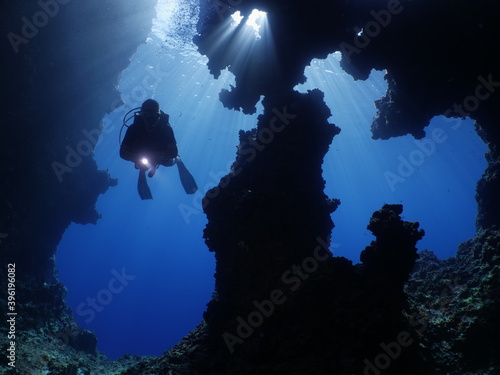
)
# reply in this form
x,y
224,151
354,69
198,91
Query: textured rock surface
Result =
x,y
420,44
456,300
42,352
332,318
270,214
439,58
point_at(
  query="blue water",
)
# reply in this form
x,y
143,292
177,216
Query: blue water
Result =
x,y
141,277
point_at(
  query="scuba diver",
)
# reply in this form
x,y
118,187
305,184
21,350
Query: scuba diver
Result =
x,y
150,142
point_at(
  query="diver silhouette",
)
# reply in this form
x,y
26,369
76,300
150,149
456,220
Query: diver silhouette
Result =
x,y
150,142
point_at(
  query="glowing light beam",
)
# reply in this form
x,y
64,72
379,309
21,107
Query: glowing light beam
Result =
x,y
253,18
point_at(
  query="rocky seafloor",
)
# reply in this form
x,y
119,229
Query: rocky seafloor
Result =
x,y
283,303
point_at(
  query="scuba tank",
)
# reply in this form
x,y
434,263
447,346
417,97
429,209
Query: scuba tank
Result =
x,y
136,112
126,119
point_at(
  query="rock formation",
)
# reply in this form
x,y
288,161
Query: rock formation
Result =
x,y
60,66
283,303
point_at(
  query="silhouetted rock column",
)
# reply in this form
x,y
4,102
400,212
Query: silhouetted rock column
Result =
x,y
488,187
393,255
282,302
267,214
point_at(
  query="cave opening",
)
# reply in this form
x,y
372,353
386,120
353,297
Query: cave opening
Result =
x,y
255,20
158,244
141,278
434,178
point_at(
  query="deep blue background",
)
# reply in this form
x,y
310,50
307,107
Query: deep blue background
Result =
x,y
159,242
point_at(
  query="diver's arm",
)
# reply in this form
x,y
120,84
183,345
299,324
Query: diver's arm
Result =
x,y
162,158
128,149
127,154
170,150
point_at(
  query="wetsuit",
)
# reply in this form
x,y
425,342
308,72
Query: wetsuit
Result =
x,y
158,146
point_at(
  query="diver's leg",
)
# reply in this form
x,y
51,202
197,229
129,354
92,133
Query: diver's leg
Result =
x,y
165,163
170,162
152,171
142,186
187,180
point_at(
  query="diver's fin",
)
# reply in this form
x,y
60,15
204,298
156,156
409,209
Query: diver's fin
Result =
x,y
142,186
187,180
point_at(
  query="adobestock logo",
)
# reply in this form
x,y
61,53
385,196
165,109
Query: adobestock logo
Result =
x,y
393,350
390,352
426,147
31,27
91,138
74,157
104,297
222,8
408,165
293,278
371,30
247,151
471,103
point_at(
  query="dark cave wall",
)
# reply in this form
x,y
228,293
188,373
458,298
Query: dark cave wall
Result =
x,y
60,67
439,57
268,215
265,217
439,60
253,227
488,186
